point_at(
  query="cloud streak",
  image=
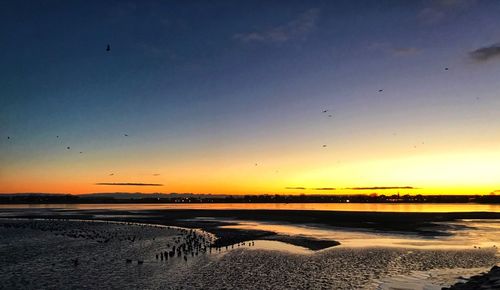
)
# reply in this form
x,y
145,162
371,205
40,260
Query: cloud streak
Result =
x,y
351,188
404,51
380,187
486,53
298,28
389,48
128,184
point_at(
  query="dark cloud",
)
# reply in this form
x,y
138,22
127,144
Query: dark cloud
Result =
x,y
380,187
298,28
129,184
295,187
485,53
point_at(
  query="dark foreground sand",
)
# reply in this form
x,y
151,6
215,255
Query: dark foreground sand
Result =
x,y
487,281
102,251
41,254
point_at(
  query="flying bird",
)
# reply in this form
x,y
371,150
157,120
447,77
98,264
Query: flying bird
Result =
x,y
57,136
8,137
324,111
111,174
324,145
445,68
329,116
126,135
68,148
108,48
381,90
81,152
156,174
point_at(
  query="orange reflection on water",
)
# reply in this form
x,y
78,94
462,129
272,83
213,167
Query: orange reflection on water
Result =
x,y
370,207
481,234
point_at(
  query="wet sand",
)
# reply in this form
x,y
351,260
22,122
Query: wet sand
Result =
x,y
42,253
242,258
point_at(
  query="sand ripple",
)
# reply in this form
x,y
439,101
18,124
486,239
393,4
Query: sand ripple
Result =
x,y
41,254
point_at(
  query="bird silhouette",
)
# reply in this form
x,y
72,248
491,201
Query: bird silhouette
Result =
x,y
68,147
445,68
108,48
57,136
324,111
324,145
126,135
8,137
381,90
111,174
329,116
81,152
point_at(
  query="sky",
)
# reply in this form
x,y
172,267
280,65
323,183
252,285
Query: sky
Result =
x,y
250,97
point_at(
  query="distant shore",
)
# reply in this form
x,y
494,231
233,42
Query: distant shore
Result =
x,y
187,198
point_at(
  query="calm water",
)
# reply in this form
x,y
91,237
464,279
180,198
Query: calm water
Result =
x,y
479,234
376,207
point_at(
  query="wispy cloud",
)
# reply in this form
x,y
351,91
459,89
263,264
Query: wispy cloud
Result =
x,y
403,51
129,184
351,188
438,10
380,187
394,50
486,53
297,28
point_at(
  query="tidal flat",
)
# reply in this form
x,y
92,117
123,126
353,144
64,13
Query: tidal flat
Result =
x,y
84,254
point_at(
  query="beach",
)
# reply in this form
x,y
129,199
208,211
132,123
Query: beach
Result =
x,y
124,249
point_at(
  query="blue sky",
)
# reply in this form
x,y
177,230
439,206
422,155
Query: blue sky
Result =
x,y
242,80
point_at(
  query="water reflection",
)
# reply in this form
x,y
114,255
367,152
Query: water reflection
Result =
x,y
372,207
480,234
279,246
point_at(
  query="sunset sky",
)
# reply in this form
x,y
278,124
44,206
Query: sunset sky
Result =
x,y
229,96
